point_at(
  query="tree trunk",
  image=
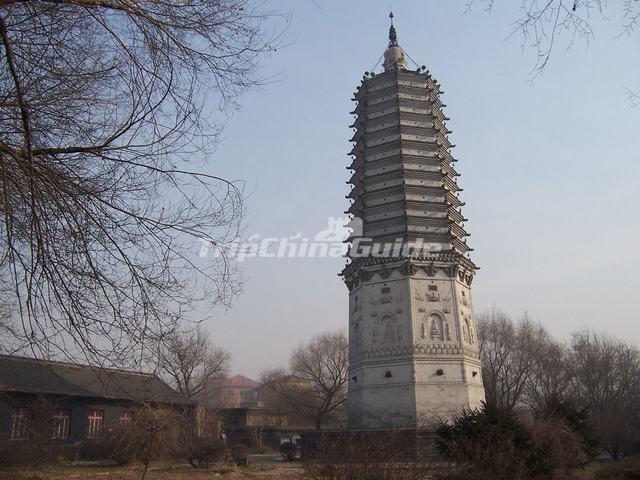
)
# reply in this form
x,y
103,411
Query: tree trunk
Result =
x,y
144,470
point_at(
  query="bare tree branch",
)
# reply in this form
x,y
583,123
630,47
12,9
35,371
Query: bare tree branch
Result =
x,y
192,363
315,386
509,356
633,97
103,106
607,380
543,22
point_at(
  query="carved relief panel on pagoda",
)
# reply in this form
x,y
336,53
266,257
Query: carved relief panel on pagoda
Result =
x,y
380,317
433,311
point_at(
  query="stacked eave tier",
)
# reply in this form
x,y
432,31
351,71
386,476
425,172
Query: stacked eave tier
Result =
x,y
404,183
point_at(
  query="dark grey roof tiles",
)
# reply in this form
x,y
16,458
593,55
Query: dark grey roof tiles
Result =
x,y
28,375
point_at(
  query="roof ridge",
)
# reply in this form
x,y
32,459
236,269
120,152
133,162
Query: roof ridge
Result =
x,y
242,375
77,365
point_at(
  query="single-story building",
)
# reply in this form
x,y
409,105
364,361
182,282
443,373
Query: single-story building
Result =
x,y
256,427
83,401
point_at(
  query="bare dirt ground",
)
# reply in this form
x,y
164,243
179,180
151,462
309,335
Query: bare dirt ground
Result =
x,y
261,468
268,468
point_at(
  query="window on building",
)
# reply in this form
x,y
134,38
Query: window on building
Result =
x,y
126,417
96,421
61,424
20,424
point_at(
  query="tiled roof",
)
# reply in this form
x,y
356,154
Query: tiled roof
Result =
x,y
29,375
239,381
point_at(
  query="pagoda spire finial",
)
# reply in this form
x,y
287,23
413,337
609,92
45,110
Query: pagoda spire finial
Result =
x,y
393,35
394,56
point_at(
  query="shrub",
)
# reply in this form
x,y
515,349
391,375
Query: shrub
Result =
x,y
200,451
39,449
15,454
239,450
562,446
627,469
119,444
380,455
578,420
240,454
493,443
96,449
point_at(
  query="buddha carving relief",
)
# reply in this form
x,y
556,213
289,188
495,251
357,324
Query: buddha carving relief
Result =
x,y
467,331
463,299
436,329
439,330
390,329
357,334
389,335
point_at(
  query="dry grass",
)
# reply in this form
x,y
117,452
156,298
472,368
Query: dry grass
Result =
x,y
628,469
160,472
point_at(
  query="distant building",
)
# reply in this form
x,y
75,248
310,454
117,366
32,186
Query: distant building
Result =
x,y
85,401
253,413
256,427
251,417
236,391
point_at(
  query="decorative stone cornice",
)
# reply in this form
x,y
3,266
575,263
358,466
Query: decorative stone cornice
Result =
x,y
453,265
429,352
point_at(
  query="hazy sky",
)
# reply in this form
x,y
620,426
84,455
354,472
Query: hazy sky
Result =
x,y
550,168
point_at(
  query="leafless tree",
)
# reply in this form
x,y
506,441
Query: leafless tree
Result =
x,y
523,366
103,106
551,379
192,363
607,376
315,385
277,387
153,434
508,354
7,336
545,23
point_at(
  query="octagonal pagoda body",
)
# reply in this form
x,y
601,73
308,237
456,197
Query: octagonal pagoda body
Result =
x,y
413,349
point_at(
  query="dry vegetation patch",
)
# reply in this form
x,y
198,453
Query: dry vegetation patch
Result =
x,y
157,472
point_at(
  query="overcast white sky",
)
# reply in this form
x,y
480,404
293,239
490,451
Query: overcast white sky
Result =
x,y
550,168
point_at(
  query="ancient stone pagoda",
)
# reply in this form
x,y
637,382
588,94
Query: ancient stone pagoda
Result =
x,y
412,334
